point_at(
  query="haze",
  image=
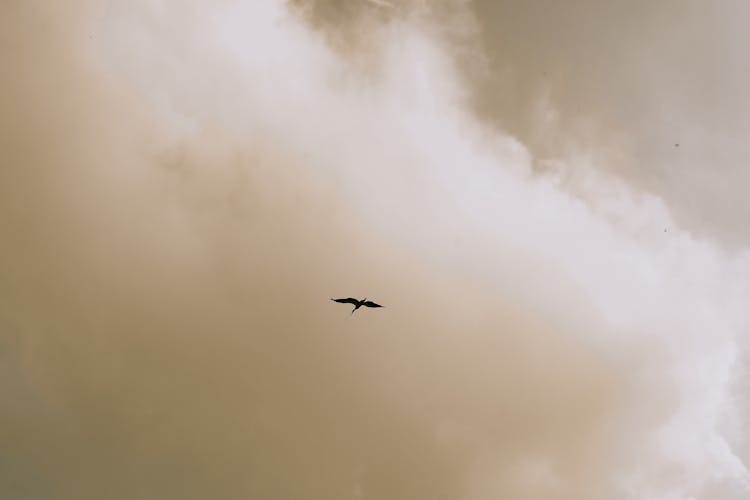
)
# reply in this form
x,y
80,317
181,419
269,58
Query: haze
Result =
x,y
549,199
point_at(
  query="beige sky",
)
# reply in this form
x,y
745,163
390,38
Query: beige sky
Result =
x,y
184,187
648,75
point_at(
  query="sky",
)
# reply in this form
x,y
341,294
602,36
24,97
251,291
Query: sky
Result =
x,y
548,199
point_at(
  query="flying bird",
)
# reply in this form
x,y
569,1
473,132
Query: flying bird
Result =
x,y
357,303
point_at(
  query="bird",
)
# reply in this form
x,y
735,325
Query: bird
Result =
x,y
357,303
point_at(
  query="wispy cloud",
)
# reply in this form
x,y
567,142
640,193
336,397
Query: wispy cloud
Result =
x,y
184,191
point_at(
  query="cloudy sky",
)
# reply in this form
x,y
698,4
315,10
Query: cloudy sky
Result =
x,y
548,197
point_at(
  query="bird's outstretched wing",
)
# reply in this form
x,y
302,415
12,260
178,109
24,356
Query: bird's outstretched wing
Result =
x,y
348,300
369,303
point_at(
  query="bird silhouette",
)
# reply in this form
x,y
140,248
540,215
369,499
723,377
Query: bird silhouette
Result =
x,y
356,303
